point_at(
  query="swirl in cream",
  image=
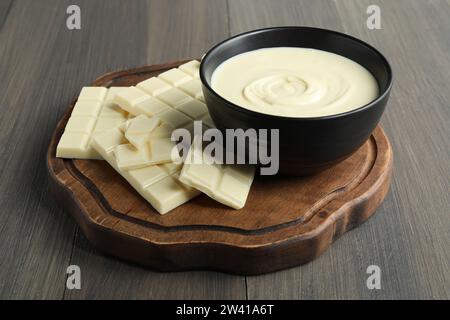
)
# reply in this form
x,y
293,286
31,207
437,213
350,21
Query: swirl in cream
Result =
x,y
296,82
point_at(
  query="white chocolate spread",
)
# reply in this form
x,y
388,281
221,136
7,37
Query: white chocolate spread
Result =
x,y
294,82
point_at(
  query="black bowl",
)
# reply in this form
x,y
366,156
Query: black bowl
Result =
x,y
307,145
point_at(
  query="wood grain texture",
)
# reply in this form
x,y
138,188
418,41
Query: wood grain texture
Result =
x,y
45,66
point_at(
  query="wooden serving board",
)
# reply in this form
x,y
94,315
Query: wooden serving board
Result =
x,y
286,221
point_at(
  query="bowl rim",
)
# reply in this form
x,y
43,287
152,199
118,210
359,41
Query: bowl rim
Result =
x,y
380,97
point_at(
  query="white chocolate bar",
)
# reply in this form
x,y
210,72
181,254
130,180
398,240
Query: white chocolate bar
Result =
x,y
175,118
158,184
106,114
142,125
193,108
171,88
228,184
136,101
143,148
141,151
94,112
92,93
80,124
180,117
128,157
105,122
174,97
177,88
150,107
97,109
163,131
87,108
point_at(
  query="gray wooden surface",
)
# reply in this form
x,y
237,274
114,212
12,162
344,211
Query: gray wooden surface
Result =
x,y
43,65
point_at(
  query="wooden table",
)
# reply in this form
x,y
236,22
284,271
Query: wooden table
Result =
x,y
43,65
